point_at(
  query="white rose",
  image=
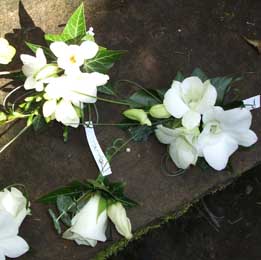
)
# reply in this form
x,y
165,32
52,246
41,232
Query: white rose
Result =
x,y
223,132
7,52
88,228
182,143
11,245
117,214
14,202
71,57
189,99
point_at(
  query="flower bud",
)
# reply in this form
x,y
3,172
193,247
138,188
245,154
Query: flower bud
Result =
x,y
118,216
138,115
159,111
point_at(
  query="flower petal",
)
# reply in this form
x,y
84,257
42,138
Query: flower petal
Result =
x,y
245,138
49,107
219,149
165,135
2,256
66,114
192,87
8,226
191,119
59,49
30,83
173,102
208,99
89,49
182,153
14,247
41,59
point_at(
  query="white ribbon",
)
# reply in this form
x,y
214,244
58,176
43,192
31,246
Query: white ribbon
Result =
x,y
100,158
252,103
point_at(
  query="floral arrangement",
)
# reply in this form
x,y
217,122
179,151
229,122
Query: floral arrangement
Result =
x,y
63,79
193,120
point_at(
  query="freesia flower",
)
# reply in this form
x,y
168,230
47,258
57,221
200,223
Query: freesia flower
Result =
x,y
7,52
182,143
76,88
88,228
14,203
11,245
117,214
71,57
223,132
63,111
189,99
138,115
36,70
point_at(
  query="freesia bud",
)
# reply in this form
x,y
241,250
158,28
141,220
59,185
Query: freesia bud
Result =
x,y
138,115
159,111
7,52
118,216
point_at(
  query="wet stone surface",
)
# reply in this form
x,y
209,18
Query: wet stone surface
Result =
x,y
161,37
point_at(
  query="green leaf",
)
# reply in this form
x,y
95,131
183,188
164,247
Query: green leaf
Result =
x,y
65,133
203,165
222,86
179,77
46,51
14,75
3,117
103,61
141,133
234,104
74,189
56,223
197,72
141,99
74,29
38,122
64,205
107,89
102,206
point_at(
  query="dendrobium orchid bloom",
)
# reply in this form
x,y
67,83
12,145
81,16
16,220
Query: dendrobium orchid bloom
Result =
x,y
182,143
7,52
11,245
189,100
223,132
37,70
72,57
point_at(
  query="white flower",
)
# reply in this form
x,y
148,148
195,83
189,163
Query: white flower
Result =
x,y
76,88
14,203
37,70
7,52
189,99
223,132
71,57
88,228
11,245
182,143
63,111
117,214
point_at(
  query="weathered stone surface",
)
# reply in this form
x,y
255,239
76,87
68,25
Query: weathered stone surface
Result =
x,y
162,37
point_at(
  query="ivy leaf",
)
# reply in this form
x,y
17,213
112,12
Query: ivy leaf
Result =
x,y
74,29
38,122
64,204
141,99
222,86
107,89
56,223
141,133
197,72
103,61
46,51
